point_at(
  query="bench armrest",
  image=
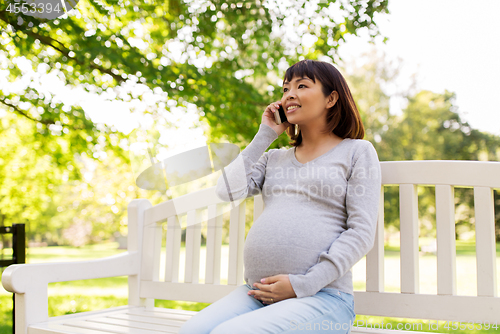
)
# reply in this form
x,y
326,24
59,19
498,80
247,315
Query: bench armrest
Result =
x,y
30,282
18,277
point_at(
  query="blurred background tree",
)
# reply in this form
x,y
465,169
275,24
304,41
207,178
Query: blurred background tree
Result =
x,y
428,128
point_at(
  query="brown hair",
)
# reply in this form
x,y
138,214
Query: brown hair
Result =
x,y
343,118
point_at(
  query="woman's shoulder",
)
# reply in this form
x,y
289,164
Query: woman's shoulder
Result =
x,y
362,148
359,144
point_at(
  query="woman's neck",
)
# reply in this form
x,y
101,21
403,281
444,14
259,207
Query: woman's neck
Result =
x,y
314,139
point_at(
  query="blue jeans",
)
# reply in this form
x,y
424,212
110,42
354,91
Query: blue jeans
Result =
x,y
328,311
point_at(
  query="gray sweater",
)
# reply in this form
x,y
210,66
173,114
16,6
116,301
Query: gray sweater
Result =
x,y
319,217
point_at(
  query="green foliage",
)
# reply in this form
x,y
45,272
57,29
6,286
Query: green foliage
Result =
x,y
105,44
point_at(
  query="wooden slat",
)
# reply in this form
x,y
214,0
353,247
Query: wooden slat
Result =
x,y
130,323
161,311
150,320
446,249
193,242
111,328
158,313
485,241
375,257
158,229
148,246
236,240
426,306
408,202
51,328
173,249
96,313
136,217
214,244
201,293
447,172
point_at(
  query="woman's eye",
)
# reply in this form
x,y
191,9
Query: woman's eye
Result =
x,y
285,89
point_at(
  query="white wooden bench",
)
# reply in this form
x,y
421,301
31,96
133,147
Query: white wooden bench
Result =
x,y
142,260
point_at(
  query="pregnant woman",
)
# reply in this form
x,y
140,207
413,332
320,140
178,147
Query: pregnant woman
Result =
x,y
321,204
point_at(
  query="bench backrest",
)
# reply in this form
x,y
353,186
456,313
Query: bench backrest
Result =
x,y
163,225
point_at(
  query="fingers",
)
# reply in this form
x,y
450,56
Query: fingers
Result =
x,y
273,107
263,286
267,298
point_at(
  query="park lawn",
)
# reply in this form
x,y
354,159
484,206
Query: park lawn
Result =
x,y
80,296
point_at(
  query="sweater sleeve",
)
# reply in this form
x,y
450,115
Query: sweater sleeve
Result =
x,y
244,176
362,202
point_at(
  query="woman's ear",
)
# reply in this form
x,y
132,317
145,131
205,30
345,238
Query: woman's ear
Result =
x,y
332,99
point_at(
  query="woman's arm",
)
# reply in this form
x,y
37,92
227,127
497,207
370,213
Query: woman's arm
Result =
x,y
244,176
362,202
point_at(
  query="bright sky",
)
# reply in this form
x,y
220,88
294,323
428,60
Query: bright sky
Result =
x,y
450,44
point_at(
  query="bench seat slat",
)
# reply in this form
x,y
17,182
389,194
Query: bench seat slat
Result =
x,y
159,310
119,329
129,323
160,316
51,328
150,320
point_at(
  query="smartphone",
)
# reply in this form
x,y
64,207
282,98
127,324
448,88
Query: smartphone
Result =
x,y
280,117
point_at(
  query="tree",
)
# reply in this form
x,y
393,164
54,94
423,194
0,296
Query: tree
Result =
x,y
431,129
223,56
105,44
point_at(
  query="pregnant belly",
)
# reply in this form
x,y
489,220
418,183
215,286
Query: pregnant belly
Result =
x,y
263,258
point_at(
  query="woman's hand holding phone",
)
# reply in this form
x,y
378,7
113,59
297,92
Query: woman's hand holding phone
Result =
x,y
269,118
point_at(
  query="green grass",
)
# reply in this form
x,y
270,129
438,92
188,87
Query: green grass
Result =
x,y
96,294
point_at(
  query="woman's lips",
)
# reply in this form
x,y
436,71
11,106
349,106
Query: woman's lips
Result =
x,y
292,110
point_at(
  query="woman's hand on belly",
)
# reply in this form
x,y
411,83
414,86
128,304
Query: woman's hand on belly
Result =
x,y
273,289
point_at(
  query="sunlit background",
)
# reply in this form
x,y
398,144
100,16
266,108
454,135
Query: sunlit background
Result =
x,y
445,44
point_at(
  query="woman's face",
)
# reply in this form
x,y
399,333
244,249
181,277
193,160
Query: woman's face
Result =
x,y
308,95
